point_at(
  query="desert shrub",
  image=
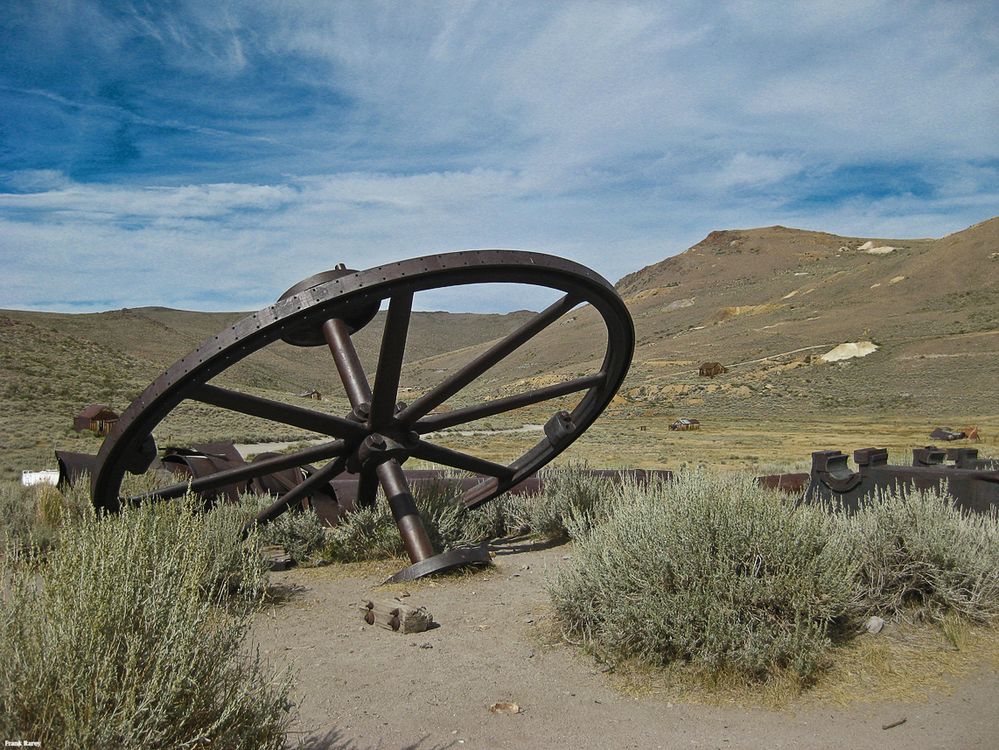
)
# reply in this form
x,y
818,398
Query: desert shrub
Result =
x,y
366,534
572,502
131,632
18,512
921,556
31,516
708,569
302,534
371,533
442,516
490,521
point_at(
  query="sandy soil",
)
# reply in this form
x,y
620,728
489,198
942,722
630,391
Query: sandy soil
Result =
x,y
366,687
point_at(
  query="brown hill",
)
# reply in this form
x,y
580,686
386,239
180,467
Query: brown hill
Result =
x,y
931,305
764,301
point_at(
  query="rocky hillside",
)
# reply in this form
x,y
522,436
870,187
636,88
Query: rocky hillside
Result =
x,y
782,296
767,302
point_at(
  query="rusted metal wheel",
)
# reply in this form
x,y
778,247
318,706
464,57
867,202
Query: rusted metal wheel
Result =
x,y
380,433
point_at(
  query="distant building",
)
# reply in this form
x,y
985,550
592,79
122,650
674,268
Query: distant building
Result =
x,y
710,369
97,418
685,424
313,394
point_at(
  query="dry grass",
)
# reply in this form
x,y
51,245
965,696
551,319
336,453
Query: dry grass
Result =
x,y
906,663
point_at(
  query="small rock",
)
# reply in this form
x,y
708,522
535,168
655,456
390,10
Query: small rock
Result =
x,y
276,558
426,645
874,625
504,707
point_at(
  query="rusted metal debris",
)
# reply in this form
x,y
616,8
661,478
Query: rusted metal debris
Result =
x,y
332,501
973,487
967,458
792,484
945,433
74,466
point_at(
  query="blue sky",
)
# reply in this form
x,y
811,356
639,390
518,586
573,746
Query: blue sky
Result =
x,y
209,155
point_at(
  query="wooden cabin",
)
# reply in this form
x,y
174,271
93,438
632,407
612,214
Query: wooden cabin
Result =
x,y
97,418
710,369
685,424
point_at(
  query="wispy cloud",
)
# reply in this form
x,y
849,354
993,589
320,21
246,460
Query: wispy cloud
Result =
x,y
243,147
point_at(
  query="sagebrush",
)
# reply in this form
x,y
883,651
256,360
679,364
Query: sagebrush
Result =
x,y
712,570
130,633
921,556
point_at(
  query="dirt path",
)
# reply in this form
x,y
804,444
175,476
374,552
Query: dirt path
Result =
x,y
366,687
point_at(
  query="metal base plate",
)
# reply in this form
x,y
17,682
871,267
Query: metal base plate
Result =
x,y
450,560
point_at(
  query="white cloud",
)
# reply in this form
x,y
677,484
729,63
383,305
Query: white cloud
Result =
x,y
613,133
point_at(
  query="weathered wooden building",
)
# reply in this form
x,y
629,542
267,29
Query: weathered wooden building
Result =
x,y
685,424
97,418
710,369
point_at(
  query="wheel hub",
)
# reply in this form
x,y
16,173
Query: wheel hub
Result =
x,y
377,448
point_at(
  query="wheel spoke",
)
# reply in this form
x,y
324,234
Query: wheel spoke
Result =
x,y
297,493
390,359
249,471
434,398
404,510
296,416
348,364
455,459
497,406
477,495
367,489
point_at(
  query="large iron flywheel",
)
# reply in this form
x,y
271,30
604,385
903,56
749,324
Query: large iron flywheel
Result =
x,y
380,433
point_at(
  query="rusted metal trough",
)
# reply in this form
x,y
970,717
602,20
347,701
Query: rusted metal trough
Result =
x,y
972,486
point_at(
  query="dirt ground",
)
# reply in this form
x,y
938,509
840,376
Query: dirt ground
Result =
x,y
361,686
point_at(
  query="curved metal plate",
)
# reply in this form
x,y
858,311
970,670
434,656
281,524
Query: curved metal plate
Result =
x,y
459,557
